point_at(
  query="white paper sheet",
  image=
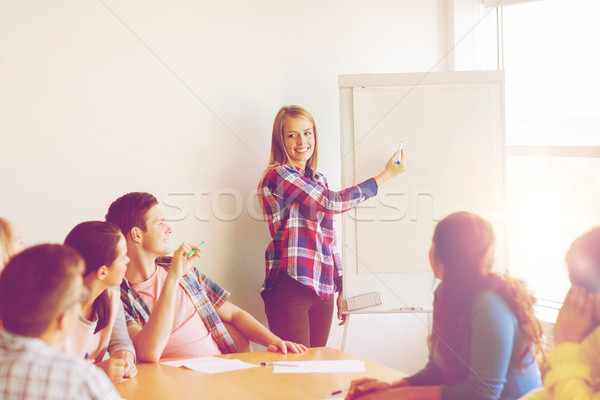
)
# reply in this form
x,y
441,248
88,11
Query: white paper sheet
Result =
x,y
210,365
320,366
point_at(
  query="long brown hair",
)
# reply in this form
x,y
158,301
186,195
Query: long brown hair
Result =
x,y
97,242
279,155
460,242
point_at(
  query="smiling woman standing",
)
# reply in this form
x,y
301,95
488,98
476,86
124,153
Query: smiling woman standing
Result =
x,y
303,262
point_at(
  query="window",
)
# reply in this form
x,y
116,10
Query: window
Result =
x,y
552,69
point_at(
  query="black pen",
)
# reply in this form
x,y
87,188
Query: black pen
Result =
x,y
339,392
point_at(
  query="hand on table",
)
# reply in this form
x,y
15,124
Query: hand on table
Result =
x,y
128,357
365,387
283,346
114,368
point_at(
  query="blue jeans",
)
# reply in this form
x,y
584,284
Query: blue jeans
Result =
x,y
296,313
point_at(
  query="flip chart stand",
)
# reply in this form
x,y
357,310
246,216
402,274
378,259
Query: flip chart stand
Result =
x,y
403,310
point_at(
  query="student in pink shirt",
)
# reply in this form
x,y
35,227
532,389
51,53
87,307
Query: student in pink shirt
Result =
x,y
171,308
101,324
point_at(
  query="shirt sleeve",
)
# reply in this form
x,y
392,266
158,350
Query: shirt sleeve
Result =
x,y
119,338
337,265
289,184
569,376
128,310
95,385
215,293
493,327
431,375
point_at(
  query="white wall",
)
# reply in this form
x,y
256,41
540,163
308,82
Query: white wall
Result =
x,y
177,98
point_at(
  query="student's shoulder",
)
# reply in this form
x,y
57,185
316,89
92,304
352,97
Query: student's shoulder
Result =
x,y
491,303
74,367
281,170
94,384
489,298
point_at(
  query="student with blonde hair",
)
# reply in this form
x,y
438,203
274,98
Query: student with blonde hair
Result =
x,y
10,242
303,262
101,327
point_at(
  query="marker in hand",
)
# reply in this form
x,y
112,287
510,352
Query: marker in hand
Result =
x,y
191,253
400,148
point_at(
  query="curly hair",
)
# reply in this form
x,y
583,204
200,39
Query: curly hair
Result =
x,y
460,242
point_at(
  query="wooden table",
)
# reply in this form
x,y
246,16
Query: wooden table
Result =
x,y
155,381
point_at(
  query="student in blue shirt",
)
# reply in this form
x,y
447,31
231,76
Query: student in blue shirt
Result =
x,y
484,328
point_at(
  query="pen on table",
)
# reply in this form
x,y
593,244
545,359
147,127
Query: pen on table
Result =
x,y
278,364
339,392
191,253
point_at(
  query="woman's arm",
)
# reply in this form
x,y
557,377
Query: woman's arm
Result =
x,y
119,338
391,169
255,331
291,185
396,391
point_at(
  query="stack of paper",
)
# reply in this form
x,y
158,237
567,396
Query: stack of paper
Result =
x,y
210,365
320,366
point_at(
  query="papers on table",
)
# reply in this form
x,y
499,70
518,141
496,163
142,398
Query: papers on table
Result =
x,y
210,365
320,366
215,365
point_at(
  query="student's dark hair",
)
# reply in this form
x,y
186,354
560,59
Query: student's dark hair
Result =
x,y
129,211
34,287
460,241
97,242
585,246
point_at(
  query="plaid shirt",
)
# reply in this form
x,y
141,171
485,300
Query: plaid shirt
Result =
x,y
30,369
300,214
205,294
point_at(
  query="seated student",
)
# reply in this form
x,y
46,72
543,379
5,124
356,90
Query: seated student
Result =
x,y
10,242
574,363
101,324
175,311
483,325
40,295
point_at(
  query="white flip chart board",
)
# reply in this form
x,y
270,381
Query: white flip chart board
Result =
x,y
452,128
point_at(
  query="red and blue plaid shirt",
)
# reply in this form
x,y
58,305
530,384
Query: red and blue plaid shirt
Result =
x,y
300,214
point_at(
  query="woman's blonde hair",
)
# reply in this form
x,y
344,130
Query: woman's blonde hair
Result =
x,y
7,238
279,155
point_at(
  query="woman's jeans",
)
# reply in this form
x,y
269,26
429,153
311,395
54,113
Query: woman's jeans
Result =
x,y
296,313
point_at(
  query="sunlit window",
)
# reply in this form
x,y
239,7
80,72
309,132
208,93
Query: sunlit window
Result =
x,y
552,67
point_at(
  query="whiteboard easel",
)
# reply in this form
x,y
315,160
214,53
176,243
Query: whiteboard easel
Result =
x,y
453,130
